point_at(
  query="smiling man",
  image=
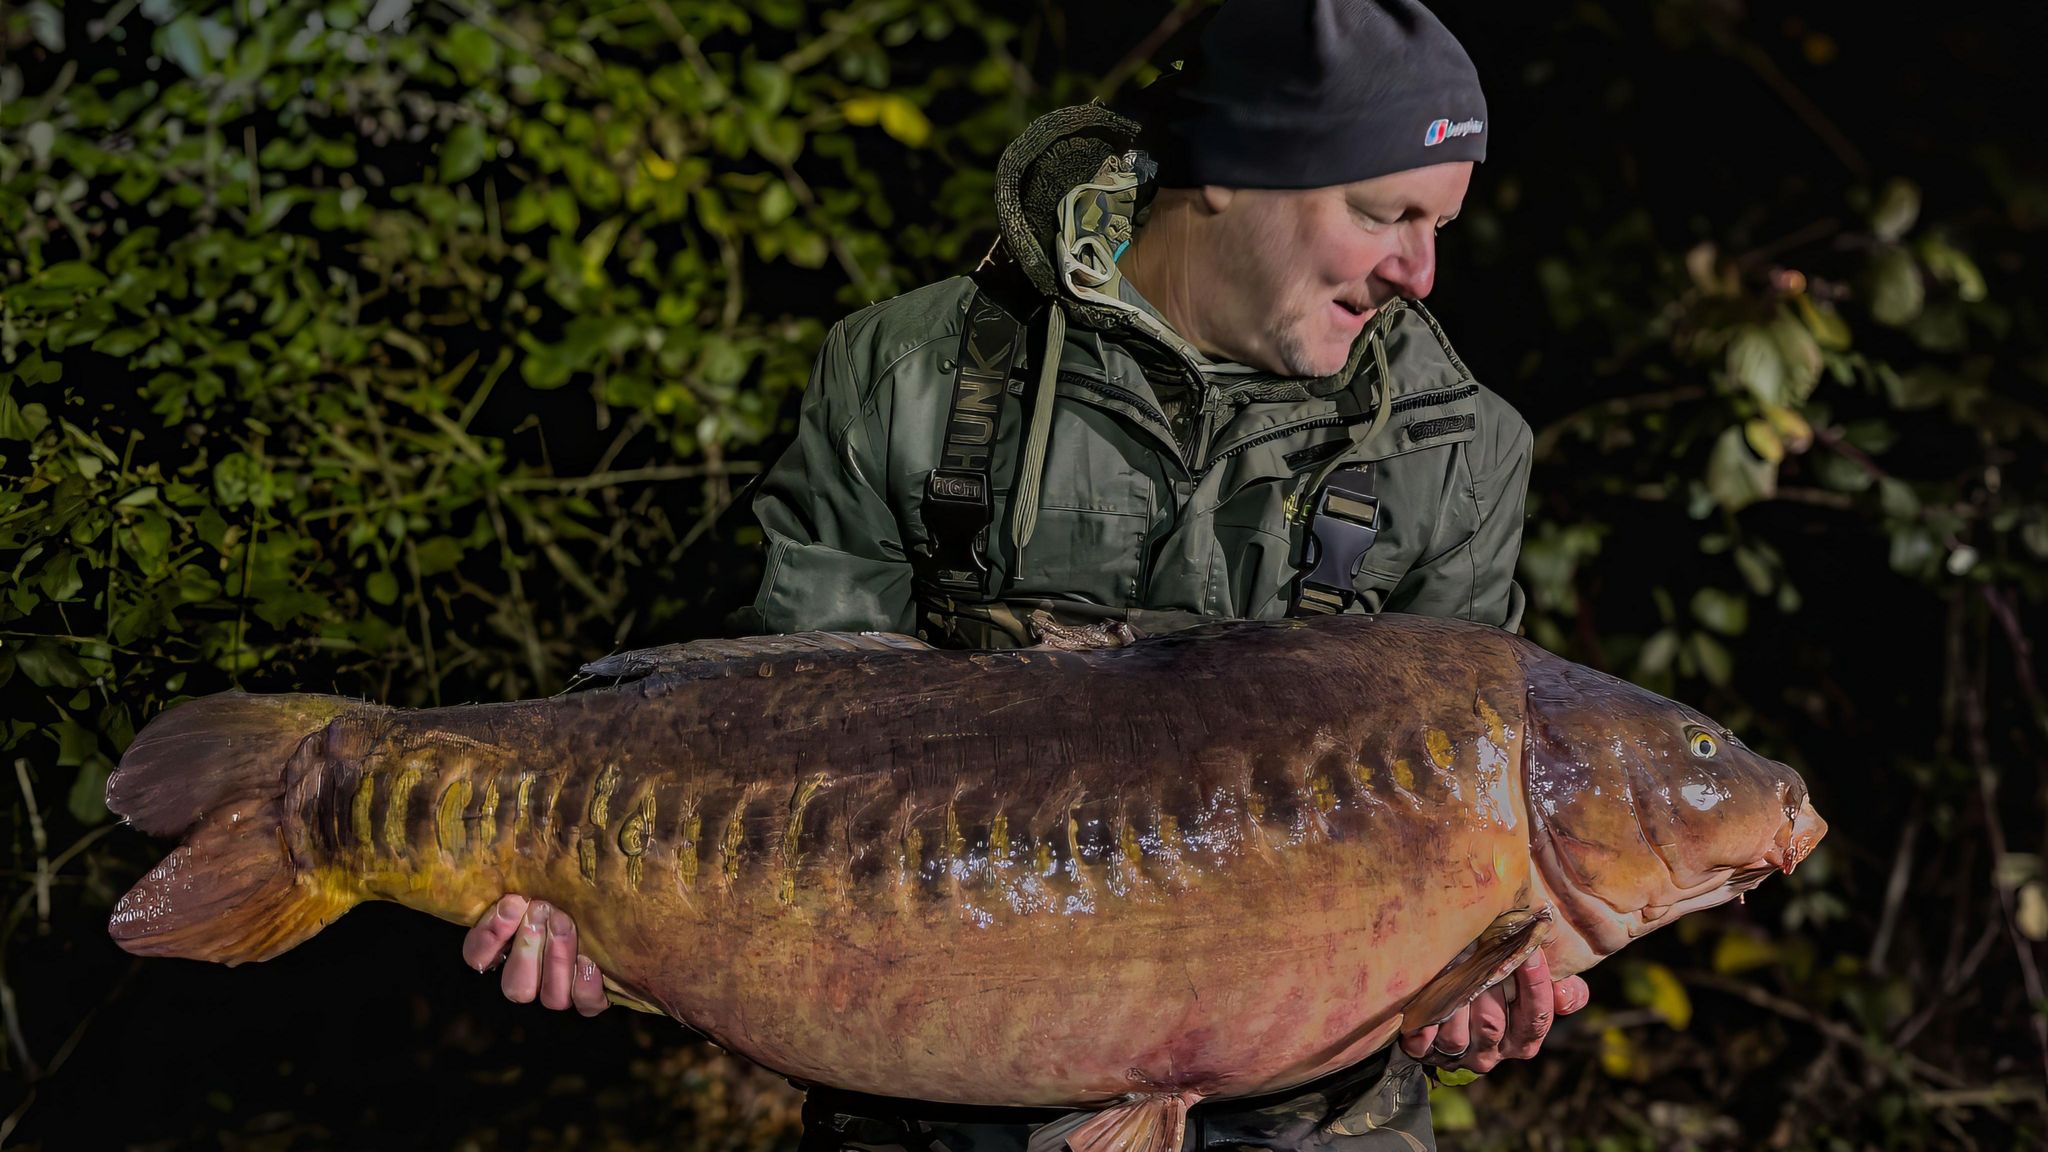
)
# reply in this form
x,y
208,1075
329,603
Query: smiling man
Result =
x,y
1193,380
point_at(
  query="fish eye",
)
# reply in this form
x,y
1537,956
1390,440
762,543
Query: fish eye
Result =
x,y
1702,744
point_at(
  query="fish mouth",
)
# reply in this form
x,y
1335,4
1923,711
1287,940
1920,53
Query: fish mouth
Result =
x,y
1800,838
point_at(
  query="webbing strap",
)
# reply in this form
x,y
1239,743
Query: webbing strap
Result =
x,y
958,500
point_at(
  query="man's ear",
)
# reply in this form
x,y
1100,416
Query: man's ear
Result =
x,y
1216,198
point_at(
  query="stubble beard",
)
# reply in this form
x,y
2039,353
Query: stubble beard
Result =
x,y
1292,351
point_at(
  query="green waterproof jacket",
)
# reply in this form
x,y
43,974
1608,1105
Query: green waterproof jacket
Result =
x,y
1132,479
1167,487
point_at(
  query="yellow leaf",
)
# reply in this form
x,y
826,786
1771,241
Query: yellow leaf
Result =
x,y
1763,440
1739,952
1829,329
658,166
1667,996
2033,911
1620,1057
861,111
1790,426
906,122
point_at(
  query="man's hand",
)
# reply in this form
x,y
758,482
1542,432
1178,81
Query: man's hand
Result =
x,y
537,942
1499,1026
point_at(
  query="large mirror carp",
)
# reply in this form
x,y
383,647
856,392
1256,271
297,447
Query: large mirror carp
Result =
x,y
1216,863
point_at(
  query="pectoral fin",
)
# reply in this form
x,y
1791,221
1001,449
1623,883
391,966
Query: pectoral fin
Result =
x,y
1505,944
617,994
1143,1122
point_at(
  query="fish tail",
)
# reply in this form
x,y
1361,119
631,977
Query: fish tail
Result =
x,y
220,773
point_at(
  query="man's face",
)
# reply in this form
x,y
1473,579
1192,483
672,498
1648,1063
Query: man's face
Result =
x,y
1300,272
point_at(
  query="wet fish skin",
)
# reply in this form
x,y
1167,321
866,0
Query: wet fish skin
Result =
x,y
1211,864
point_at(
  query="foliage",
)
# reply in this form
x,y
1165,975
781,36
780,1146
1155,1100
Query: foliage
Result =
x,y
415,350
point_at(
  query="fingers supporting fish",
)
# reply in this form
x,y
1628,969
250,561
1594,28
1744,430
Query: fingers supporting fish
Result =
x,y
558,964
586,988
1535,1009
485,945
521,978
1419,1043
1572,995
1453,1036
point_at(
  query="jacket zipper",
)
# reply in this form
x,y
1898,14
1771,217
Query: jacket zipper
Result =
x,y
1430,399
1277,433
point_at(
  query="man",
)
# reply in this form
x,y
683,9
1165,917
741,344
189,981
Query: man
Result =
x,y
1246,412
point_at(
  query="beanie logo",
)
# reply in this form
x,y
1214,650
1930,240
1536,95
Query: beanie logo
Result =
x,y
1444,130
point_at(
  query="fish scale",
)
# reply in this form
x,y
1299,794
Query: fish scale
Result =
x,y
1218,863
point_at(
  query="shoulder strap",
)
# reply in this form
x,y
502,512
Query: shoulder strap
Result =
x,y
958,500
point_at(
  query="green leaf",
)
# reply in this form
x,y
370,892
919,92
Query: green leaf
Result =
x,y
1951,266
1450,1109
1756,363
1724,612
1736,478
49,664
1897,292
1658,653
1898,206
88,797
596,247
75,743
1714,661
776,203
381,587
463,151
768,84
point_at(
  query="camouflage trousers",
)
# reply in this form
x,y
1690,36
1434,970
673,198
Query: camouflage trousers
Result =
x,y
1380,1105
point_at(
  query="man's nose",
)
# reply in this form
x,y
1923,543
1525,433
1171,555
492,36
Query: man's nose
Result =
x,y
1411,272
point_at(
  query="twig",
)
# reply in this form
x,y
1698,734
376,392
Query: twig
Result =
x,y
2022,651
2006,1092
1144,49
1951,984
625,476
1994,835
852,21
1808,112
1894,895
1894,1063
840,251
1546,440
41,839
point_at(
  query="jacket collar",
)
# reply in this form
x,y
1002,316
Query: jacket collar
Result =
x,y
1067,191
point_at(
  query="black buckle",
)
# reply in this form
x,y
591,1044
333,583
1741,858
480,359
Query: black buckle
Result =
x,y
1345,522
957,511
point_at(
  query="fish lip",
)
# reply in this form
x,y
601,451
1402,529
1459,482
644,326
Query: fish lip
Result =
x,y
1801,837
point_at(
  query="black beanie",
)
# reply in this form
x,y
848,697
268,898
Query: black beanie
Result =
x,y
1309,93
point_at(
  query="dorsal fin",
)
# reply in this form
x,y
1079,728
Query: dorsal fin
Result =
x,y
642,661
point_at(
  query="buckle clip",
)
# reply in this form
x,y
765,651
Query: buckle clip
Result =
x,y
957,512
1343,525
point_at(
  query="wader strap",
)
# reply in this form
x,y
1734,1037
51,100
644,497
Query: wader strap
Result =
x,y
1343,524
958,499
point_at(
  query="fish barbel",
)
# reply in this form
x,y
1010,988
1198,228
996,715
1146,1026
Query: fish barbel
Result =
x,y
1215,863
